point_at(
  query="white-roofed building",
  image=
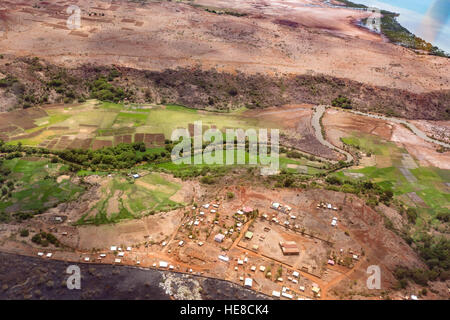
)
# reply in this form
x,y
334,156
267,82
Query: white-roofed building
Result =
x,y
163,264
219,237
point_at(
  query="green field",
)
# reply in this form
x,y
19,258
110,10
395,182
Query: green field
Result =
x,y
125,198
167,119
35,187
93,118
429,183
102,120
374,145
193,169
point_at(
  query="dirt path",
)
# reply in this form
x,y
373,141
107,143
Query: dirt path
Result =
x,y
326,287
410,126
315,122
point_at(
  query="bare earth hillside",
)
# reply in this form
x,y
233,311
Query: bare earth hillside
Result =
x,y
274,37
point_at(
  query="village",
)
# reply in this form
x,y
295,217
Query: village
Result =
x,y
276,247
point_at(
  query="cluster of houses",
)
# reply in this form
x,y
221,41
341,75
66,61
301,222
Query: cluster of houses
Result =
x,y
205,207
323,205
48,255
248,235
279,207
120,254
287,293
244,210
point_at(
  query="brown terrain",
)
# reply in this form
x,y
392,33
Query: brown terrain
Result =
x,y
282,52
276,38
340,124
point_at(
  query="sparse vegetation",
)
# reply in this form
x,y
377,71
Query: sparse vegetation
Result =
x,y
342,102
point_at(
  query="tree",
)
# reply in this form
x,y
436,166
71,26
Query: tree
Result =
x,y
411,213
342,102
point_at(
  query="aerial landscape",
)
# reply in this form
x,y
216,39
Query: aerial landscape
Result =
x,y
114,115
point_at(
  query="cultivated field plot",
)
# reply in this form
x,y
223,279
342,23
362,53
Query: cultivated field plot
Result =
x,y
395,169
34,185
150,229
124,198
101,124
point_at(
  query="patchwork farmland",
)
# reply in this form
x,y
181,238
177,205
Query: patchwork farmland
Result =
x,y
97,124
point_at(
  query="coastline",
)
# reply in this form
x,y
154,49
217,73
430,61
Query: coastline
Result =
x,y
393,31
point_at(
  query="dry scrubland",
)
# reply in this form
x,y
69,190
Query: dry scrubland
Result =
x,y
159,35
284,52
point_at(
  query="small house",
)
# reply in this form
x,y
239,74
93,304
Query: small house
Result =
x,y
219,237
224,258
247,209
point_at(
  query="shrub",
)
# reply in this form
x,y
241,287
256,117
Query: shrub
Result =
x,y
36,238
207,180
412,215
443,216
342,102
333,180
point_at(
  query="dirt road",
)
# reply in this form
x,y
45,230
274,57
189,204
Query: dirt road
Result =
x,y
411,126
315,122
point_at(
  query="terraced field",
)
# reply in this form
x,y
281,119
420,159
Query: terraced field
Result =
x,y
423,187
97,124
123,198
34,185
